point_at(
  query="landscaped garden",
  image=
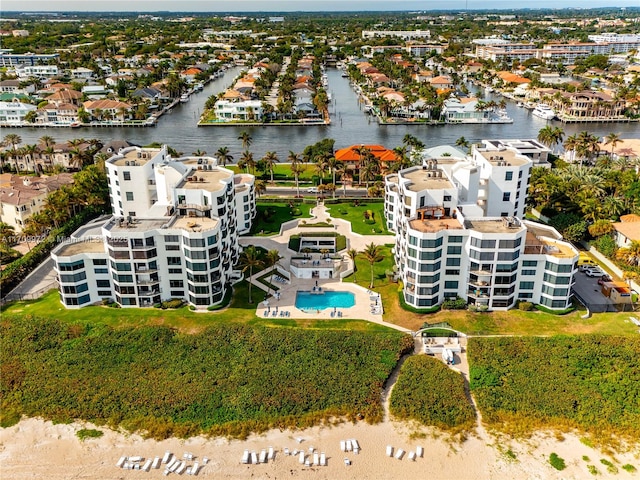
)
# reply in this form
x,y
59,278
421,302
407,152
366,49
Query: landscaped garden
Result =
x,y
270,216
367,218
228,379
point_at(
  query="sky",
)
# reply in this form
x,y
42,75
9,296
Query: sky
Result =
x,y
290,5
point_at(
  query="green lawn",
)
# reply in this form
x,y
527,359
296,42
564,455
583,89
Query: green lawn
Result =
x,y
271,216
183,319
363,269
280,172
355,215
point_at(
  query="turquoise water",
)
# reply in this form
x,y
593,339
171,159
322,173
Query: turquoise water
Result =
x,y
320,301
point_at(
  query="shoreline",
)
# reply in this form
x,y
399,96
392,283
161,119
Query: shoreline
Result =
x,y
35,448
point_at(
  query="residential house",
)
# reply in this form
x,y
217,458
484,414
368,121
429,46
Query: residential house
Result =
x,y
108,108
13,113
351,157
576,106
21,197
627,230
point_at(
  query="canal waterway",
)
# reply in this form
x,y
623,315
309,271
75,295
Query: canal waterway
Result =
x,y
349,126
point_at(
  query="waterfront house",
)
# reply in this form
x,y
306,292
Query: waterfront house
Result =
x,y
587,105
101,109
13,113
627,230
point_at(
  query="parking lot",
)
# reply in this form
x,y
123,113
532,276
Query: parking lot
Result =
x,y
588,291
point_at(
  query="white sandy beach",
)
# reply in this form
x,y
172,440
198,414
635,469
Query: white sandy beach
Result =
x,y
35,449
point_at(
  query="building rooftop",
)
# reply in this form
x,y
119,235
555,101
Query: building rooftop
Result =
x,y
209,180
496,158
135,157
82,245
195,224
136,225
544,246
435,225
426,179
501,225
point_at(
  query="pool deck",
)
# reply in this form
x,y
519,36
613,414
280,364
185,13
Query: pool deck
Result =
x,y
362,308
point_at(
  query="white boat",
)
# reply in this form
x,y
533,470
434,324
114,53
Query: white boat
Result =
x,y
544,111
184,98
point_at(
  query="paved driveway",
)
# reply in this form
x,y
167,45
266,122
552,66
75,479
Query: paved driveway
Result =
x,y
588,291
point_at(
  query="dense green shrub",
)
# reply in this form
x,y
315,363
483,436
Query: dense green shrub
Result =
x,y
629,468
525,306
557,462
430,392
454,304
590,382
606,245
230,379
85,433
173,303
611,468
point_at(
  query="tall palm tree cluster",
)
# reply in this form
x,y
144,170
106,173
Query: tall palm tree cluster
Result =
x,y
39,157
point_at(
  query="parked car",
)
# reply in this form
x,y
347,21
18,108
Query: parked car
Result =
x,y
594,273
586,266
312,190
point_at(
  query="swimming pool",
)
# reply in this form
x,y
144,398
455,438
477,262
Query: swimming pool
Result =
x,y
328,299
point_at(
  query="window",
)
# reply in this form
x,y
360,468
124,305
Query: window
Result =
x,y
510,243
197,254
430,267
429,278
452,272
483,256
479,243
99,261
177,293
430,255
129,196
121,267
508,176
455,239
194,242
446,198
98,271
454,250
554,267
126,175
212,240
453,262
76,277
528,272
525,295
104,293
171,238
177,271
429,290
527,285
431,243
555,292
556,280
103,283
451,284
70,267
176,283
529,263
123,278
506,196
174,261
505,267
413,240
172,247
504,214
196,266
505,256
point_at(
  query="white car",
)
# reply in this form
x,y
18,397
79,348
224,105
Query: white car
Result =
x,y
312,190
594,272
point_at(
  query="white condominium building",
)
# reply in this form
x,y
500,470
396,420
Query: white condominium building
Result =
x,y
459,233
174,233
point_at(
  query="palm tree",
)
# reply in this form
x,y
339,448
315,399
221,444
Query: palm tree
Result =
x,y
47,141
271,260
372,254
270,159
250,259
7,234
247,161
353,254
260,187
224,156
199,153
334,165
612,139
321,166
12,139
246,139
463,142
296,168
630,254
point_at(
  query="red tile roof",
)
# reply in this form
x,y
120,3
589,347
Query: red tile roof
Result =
x,y
350,154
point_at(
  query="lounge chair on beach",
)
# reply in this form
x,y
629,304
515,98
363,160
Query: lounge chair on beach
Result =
x,y
301,457
347,462
389,451
343,446
316,459
419,451
263,456
194,469
245,457
286,450
156,463
167,457
412,456
400,454
147,465
271,455
120,462
323,459
254,457
348,445
180,470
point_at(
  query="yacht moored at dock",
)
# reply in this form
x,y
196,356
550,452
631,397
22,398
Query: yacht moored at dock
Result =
x,y
544,111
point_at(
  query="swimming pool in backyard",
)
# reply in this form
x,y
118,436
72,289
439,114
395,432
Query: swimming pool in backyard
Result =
x,y
323,300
